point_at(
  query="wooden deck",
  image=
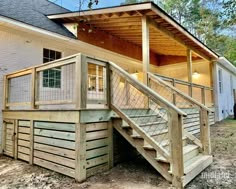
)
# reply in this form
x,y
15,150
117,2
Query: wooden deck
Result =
x,y
70,129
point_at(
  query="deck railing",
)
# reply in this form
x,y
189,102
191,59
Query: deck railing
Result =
x,y
75,82
201,93
197,120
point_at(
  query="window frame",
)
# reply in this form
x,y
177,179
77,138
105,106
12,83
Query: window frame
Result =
x,y
57,69
220,81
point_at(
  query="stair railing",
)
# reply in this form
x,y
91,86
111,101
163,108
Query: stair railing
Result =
x,y
130,98
197,113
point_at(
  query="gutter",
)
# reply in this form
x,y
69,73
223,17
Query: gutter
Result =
x,y
226,64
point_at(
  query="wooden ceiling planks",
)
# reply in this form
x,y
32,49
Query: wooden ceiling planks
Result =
x,y
166,37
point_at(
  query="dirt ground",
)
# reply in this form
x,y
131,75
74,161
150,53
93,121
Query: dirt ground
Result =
x,y
136,174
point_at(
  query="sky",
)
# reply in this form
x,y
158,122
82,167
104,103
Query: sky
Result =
x,y
73,4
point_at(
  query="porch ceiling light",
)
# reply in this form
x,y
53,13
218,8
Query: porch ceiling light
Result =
x,y
196,74
135,75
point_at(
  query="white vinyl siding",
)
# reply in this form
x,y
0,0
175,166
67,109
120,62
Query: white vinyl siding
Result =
x,y
20,50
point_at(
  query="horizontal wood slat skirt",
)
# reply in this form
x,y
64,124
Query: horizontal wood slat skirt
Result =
x,y
54,146
97,148
23,140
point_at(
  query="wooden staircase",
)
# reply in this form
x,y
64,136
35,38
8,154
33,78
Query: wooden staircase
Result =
x,y
158,130
194,160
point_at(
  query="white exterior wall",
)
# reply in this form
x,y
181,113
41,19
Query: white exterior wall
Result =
x,y
225,100
20,50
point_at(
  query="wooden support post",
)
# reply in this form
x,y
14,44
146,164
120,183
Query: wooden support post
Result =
x,y
15,139
80,152
190,71
33,88
203,95
31,155
5,93
3,135
145,49
176,148
205,131
81,75
108,85
211,73
215,90
110,138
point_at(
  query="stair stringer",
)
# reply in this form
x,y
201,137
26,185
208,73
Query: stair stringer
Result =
x,y
163,170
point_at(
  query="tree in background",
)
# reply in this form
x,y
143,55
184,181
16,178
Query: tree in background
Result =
x,y
229,8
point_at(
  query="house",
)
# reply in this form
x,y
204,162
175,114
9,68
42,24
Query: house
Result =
x,y
225,88
129,68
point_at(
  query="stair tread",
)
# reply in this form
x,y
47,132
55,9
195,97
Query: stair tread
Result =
x,y
162,132
186,149
163,143
144,115
152,123
194,162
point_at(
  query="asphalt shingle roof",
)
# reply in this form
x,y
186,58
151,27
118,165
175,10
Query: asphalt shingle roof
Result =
x,y
33,12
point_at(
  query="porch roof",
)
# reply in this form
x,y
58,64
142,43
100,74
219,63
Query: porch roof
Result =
x,y
167,37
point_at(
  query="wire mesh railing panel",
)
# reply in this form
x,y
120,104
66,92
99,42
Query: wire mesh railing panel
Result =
x,y
162,90
183,88
19,89
209,98
96,84
191,123
56,85
147,114
197,94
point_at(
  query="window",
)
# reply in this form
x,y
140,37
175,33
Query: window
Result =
x,y
220,81
51,77
95,78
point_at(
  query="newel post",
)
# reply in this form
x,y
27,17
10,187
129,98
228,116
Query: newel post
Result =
x,y
176,148
5,92
205,131
81,75
34,87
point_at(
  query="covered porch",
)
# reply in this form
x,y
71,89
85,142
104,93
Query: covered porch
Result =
x,y
155,43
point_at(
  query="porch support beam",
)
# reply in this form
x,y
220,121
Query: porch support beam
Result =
x,y
145,48
190,71
212,75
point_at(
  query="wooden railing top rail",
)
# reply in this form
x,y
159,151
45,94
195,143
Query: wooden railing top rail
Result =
x,y
178,81
154,77
146,90
52,64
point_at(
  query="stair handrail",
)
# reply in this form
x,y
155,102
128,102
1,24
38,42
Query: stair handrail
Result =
x,y
146,90
192,100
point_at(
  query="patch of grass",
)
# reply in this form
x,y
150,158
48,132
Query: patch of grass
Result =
x,y
230,119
